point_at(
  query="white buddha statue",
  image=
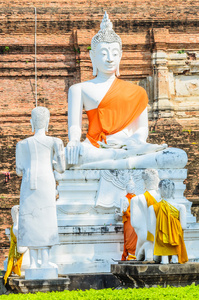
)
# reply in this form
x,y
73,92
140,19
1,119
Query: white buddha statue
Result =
x,y
16,254
140,213
117,114
36,157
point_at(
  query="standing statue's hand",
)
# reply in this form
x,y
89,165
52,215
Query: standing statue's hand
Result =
x,y
73,150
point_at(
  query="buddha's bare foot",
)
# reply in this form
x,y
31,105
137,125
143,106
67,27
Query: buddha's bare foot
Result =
x,y
145,148
155,147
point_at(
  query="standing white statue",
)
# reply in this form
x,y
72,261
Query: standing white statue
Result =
x,y
167,220
15,256
36,157
130,236
117,114
140,213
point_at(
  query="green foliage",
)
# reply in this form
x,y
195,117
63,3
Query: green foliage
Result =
x,y
181,51
89,48
188,130
6,48
76,50
160,293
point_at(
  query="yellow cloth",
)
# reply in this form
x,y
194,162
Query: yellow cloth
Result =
x,y
14,258
131,257
150,201
169,238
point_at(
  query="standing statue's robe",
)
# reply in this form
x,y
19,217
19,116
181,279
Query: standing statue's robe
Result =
x,y
37,211
123,103
130,236
14,258
169,238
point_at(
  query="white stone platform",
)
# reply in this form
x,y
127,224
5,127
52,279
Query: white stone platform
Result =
x,y
90,237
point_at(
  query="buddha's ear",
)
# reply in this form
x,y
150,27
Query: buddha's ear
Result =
x,y
93,62
118,67
118,71
32,125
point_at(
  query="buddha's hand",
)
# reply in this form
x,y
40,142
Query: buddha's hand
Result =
x,y
73,152
132,144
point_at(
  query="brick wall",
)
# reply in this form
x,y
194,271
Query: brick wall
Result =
x,y
64,34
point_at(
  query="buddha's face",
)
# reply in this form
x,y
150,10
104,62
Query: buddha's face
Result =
x,y
130,188
106,57
167,189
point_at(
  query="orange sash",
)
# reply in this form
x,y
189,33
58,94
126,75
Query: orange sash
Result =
x,y
122,104
130,236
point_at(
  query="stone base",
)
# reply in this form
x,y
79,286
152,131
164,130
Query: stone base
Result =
x,y
20,285
92,281
70,282
3,289
41,274
135,275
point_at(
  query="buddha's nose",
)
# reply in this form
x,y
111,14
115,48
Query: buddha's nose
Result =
x,y
109,58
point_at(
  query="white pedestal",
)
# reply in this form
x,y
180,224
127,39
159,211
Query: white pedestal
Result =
x,y
90,237
41,273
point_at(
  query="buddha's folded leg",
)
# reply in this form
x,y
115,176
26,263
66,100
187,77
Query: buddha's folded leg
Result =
x,y
104,165
95,158
91,155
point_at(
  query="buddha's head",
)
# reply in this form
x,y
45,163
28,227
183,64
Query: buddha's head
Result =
x,y
106,49
40,118
167,188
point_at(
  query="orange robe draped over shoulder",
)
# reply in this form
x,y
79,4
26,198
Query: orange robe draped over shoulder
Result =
x,y
169,238
122,104
130,236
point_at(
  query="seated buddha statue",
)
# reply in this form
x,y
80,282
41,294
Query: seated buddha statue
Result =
x,y
116,110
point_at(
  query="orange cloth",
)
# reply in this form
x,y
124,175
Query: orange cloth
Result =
x,y
122,104
14,258
169,238
130,236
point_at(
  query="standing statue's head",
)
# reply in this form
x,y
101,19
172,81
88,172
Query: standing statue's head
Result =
x,y
106,49
15,213
130,187
167,188
40,118
151,179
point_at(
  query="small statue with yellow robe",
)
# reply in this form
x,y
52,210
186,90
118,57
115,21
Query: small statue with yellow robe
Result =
x,y
169,220
15,255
